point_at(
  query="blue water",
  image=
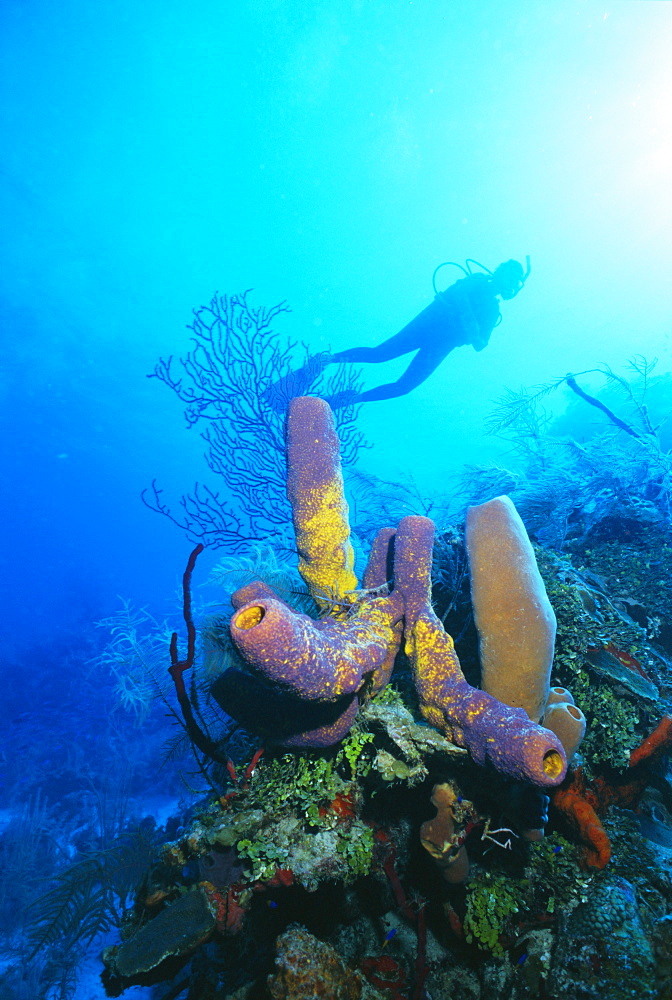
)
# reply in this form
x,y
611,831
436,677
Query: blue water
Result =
x,y
329,154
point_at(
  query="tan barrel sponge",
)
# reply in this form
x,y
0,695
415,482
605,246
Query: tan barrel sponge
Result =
x,y
514,618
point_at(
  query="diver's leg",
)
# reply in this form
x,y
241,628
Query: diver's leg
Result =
x,y
392,348
420,368
296,383
410,338
424,329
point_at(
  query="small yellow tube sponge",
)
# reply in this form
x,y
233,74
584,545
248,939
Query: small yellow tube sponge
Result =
x,y
319,509
514,618
568,723
558,695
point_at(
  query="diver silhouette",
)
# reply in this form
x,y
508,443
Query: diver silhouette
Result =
x,y
465,313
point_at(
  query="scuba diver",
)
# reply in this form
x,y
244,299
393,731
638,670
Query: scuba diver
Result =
x,y
465,313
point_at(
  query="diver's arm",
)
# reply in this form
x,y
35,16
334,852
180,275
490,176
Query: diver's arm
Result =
x,y
479,342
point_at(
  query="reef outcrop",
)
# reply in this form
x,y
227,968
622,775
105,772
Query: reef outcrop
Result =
x,y
423,841
347,656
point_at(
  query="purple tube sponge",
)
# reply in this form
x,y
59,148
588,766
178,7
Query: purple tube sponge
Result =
x,y
491,731
319,660
319,509
317,663
347,655
321,669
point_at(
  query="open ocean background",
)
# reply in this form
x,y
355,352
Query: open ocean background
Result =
x,y
326,154
329,154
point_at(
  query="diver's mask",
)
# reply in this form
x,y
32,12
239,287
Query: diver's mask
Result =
x,y
510,277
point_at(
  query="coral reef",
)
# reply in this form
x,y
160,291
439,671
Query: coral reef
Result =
x,y
605,934
308,968
330,659
490,903
597,645
398,851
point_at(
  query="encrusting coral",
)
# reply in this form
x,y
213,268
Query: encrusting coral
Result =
x,y
176,931
309,968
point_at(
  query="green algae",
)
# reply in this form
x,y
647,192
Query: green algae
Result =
x,y
491,900
587,620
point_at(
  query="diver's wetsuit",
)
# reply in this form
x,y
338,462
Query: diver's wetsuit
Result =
x,y
466,313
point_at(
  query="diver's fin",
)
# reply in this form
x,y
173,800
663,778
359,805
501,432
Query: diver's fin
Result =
x,y
296,383
347,397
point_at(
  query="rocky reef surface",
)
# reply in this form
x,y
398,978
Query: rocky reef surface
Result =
x,y
370,847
